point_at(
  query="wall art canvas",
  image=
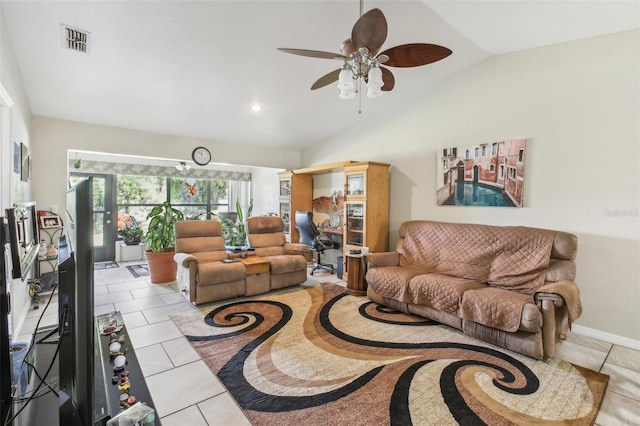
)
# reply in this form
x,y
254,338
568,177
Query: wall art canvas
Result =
x,y
486,174
17,158
24,160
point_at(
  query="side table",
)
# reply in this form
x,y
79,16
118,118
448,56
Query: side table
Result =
x,y
257,278
356,269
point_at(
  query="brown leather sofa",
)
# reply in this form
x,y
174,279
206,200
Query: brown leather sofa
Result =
x,y
287,263
510,286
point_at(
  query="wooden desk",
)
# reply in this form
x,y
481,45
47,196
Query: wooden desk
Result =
x,y
356,285
332,231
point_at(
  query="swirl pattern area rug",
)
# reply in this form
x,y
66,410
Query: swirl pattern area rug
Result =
x,y
313,355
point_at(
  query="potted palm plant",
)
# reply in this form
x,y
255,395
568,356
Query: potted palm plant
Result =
x,y
161,239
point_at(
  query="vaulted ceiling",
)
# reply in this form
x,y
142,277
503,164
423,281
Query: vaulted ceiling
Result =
x,y
194,68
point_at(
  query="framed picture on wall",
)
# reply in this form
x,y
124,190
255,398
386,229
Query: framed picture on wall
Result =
x,y
24,162
17,158
485,174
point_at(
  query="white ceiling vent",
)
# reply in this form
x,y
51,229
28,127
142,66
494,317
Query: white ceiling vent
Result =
x,y
75,39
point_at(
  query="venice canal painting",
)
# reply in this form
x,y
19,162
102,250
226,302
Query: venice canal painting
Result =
x,y
487,174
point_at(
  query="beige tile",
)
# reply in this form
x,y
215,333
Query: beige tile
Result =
x,y
161,313
153,359
127,286
589,342
181,387
222,410
103,299
180,351
173,297
139,304
134,319
580,355
154,333
150,290
104,309
624,357
190,416
623,381
618,410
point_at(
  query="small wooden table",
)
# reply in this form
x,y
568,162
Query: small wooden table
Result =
x,y
254,264
257,279
356,285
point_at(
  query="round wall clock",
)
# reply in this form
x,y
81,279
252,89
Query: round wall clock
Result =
x,y
201,156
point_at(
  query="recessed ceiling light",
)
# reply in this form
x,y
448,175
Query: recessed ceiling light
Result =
x,y
256,107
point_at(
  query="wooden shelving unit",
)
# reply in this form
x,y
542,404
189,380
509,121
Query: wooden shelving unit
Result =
x,y
366,206
295,194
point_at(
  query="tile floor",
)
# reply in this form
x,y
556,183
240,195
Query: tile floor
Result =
x,y
170,364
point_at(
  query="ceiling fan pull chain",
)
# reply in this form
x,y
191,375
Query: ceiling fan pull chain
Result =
x,y
359,96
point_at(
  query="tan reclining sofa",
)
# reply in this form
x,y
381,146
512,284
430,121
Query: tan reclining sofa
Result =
x,y
206,273
508,285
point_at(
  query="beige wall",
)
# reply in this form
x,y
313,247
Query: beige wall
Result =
x,y
578,105
52,138
12,189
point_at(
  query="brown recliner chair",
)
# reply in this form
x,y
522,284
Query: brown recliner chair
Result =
x,y
287,263
202,274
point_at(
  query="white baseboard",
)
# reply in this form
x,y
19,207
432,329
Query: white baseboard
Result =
x,y
607,337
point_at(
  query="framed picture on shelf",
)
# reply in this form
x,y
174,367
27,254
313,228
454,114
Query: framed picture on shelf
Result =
x,y
50,222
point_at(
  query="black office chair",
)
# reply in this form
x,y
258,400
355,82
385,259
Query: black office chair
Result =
x,y
316,240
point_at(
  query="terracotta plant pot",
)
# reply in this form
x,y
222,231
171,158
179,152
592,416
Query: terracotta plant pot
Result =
x,y
162,267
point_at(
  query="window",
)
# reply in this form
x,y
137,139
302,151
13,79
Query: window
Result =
x,y
492,167
501,172
137,195
484,150
477,152
466,154
521,155
494,149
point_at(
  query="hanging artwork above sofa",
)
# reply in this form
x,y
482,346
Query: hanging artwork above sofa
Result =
x,y
486,174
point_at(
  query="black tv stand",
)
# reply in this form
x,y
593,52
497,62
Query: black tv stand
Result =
x,y
44,410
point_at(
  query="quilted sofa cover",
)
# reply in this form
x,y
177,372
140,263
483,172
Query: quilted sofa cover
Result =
x,y
510,285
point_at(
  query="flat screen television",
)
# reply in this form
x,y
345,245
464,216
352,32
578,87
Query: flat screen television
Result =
x,y
23,237
76,314
5,343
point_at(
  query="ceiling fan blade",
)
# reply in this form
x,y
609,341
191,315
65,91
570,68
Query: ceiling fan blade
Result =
x,y
326,79
388,79
370,31
415,54
348,47
313,53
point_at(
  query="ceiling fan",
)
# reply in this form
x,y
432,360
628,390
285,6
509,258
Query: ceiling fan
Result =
x,y
362,58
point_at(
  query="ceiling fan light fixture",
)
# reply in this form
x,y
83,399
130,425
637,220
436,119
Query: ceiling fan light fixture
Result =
x,y
374,80
347,94
345,79
374,92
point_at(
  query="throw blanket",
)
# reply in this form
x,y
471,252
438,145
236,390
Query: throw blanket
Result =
x,y
511,258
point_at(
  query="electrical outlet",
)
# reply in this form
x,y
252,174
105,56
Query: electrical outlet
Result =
x,y
54,208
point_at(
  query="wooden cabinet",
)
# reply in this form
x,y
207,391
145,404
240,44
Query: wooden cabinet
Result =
x,y
295,194
366,206
366,202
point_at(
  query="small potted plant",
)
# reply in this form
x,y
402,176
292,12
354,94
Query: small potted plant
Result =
x,y
161,239
131,235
